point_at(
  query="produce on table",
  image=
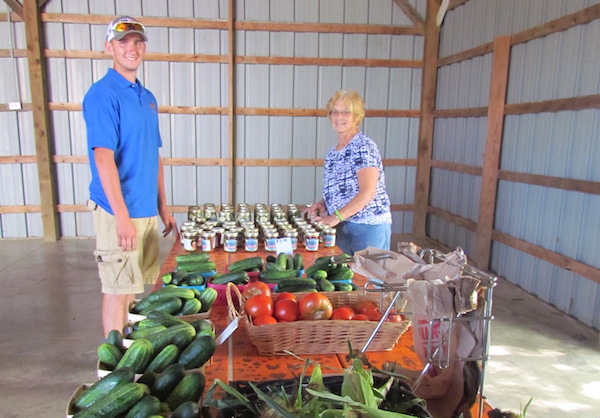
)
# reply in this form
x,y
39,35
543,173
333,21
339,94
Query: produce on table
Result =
x,y
315,306
176,301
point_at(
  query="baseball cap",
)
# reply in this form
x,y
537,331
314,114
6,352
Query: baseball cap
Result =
x,y
121,26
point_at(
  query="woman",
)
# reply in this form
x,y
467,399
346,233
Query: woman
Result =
x,y
355,199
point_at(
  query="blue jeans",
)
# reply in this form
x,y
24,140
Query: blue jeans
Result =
x,y
352,237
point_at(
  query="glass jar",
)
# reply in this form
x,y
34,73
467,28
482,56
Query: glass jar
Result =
x,y
231,241
329,237
271,240
292,234
311,240
189,240
208,241
219,238
251,241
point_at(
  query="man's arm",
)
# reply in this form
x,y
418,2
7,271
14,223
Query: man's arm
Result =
x,y
166,217
109,177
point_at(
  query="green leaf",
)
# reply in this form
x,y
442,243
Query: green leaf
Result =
x,y
271,403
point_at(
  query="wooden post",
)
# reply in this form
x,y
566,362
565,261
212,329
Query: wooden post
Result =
x,y
428,94
41,119
231,104
491,157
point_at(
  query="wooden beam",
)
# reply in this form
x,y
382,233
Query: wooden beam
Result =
x,y
428,95
465,223
16,7
591,101
559,260
574,185
456,167
231,99
41,120
411,13
493,146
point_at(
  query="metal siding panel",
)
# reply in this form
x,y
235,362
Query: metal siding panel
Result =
x,y
377,88
380,11
329,11
305,87
305,44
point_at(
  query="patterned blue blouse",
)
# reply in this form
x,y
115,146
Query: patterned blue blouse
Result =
x,y
340,180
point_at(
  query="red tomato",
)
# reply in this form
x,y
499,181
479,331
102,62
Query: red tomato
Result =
x,y
285,296
286,310
259,305
360,317
343,312
394,318
372,314
256,288
315,306
365,305
264,320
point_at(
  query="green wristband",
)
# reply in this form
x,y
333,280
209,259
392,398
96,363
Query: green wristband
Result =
x,y
339,215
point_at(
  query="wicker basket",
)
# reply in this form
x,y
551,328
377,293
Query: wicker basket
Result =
x,y
318,337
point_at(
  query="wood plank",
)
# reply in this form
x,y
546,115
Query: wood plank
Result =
x,y
426,122
591,101
328,28
16,7
466,54
457,167
408,162
412,14
491,158
455,3
453,218
329,62
467,112
575,185
278,162
18,159
402,208
41,120
551,257
231,61
6,209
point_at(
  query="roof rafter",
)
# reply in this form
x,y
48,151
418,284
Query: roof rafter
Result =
x,y
411,13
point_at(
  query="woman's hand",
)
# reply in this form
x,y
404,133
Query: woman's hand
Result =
x,y
315,210
329,220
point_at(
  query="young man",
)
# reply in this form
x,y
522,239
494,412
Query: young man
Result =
x,y
127,188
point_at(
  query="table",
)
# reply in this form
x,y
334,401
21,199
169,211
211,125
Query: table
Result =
x,y
238,359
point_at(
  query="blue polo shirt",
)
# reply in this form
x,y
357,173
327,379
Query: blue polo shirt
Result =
x,y
123,117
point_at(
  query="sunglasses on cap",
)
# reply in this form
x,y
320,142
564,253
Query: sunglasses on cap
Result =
x,y
129,26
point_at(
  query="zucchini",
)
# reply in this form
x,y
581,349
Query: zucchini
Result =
x,y
192,257
237,277
102,386
246,264
118,400
274,276
189,388
147,406
170,305
109,355
160,294
187,409
198,352
190,307
164,359
166,381
137,356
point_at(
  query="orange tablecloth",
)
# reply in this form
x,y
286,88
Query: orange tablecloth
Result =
x,y
238,359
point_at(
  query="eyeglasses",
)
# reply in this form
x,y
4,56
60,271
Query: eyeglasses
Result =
x,y
345,113
129,26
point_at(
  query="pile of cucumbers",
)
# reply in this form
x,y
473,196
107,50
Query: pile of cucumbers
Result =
x,y
191,269
176,301
159,340
323,276
116,394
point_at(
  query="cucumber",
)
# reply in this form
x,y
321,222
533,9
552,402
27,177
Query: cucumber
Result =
x,y
297,289
326,286
137,356
297,282
180,335
118,400
192,257
318,275
164,359
144,332
343,287
298,261
282,260
273,266
195,279
115,337
147,323
170,305
166,381
189,388
208,297
289,265
274,276
147,406
167,278
320,263
188,409
203,326
196,267
342,273
190,307
238,277
271,258
166,319
109,355
198,352
102,386
160,294
246,264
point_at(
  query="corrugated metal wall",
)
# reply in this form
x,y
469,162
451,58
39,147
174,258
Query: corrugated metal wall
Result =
x,y
206,84
562,144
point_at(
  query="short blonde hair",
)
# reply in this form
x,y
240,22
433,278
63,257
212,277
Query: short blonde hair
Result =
x,y
352,99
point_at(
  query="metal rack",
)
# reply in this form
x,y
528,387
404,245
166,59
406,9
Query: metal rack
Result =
x,y
437,354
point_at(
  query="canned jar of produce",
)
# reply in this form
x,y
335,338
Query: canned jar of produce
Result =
x,y
329,237
251,241
231,241
208,241
311,240
292,234
271,240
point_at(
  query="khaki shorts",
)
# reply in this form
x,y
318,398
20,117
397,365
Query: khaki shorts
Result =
x,y
125,272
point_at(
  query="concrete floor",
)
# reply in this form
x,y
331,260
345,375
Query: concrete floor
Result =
x,y
51,329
